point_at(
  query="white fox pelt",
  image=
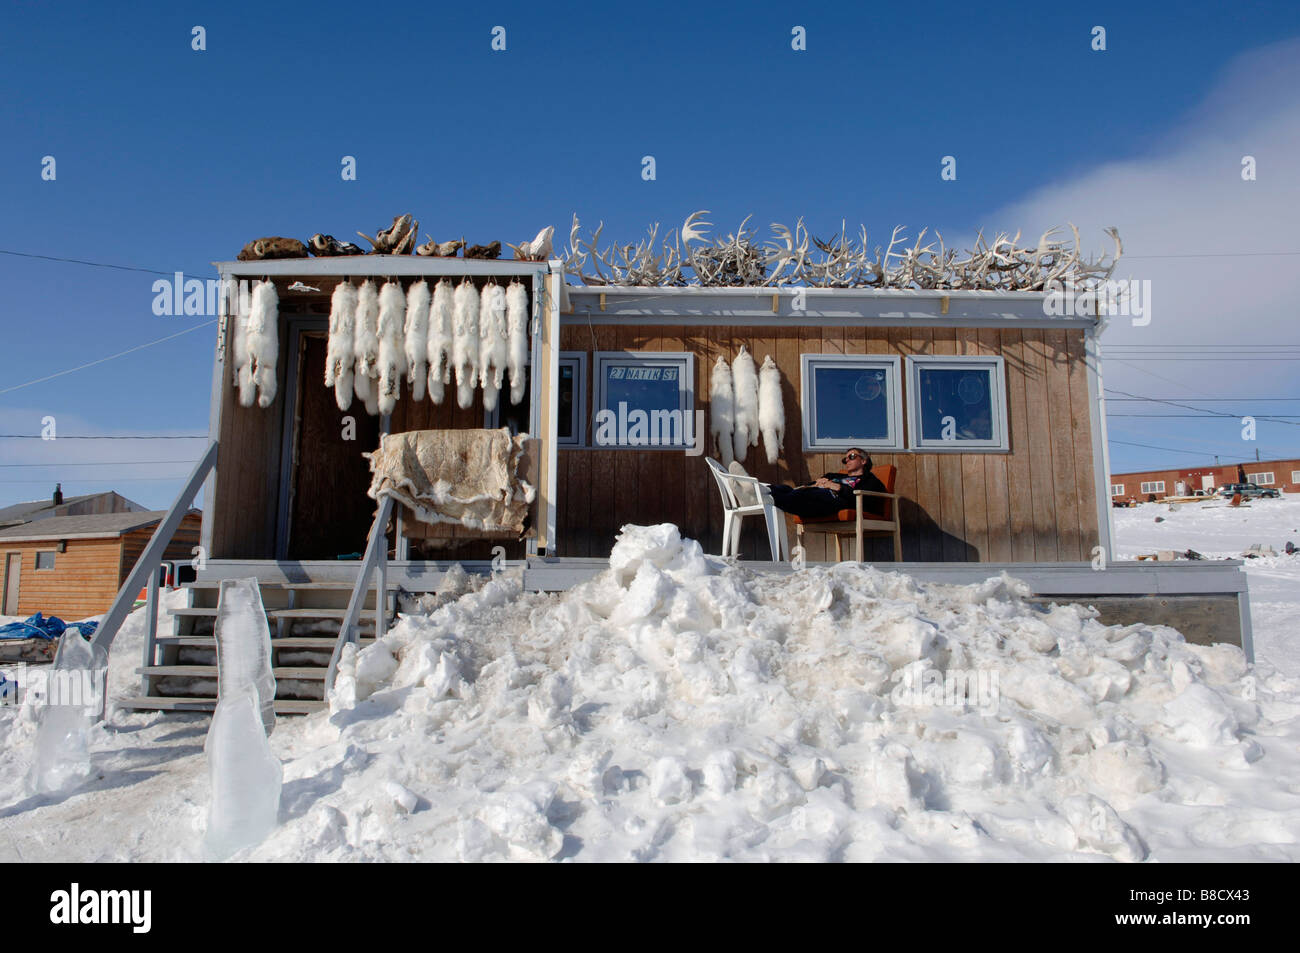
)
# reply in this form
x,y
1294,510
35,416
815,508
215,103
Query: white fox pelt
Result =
x,y
744,379
492,344
366,346
517,329
771,412
722,409
417,338
339,358
465,341
241,364
392,355
257,354
440,338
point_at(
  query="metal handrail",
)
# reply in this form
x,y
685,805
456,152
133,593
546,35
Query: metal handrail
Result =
x,y
147,564
375,558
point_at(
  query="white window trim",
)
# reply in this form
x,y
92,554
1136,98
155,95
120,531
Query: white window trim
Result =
x,y
686,392
579,438
1153,486
894,393
1295,476
1000,442
1258,478
1117,489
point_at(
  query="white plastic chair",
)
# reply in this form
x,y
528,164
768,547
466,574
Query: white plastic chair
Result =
x,y
737,504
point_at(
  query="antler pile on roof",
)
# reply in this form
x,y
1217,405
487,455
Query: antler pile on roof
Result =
x,y
695,258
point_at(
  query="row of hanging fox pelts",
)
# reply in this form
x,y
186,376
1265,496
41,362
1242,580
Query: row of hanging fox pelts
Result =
x,y
378,337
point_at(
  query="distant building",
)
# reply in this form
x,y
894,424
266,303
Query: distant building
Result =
x,y
1283,475
69,557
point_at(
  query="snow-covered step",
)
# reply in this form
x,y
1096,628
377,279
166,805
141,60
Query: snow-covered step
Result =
x,y
283,706
367,615
323,642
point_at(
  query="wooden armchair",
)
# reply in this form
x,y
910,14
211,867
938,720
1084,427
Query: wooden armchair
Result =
x,y
858,524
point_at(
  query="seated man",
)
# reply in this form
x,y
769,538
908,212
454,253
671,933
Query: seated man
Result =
x,y
834,491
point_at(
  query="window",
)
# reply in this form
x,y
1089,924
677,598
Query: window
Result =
x,y
1295,476
1155,486
644,399
571,426
1117,489
851,401
45,560
957,403
1260,479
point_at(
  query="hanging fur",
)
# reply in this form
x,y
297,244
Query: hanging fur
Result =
x,y
392,354
465,341
417,338
744,378
722,410
517,331
771,412
339,358
261,347
440,337
241,363
492,344
366,346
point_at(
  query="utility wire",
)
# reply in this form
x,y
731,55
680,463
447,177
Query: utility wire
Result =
x,y
36,436
101,463
83,261
130,350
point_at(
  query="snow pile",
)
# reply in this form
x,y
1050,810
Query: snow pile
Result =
x,y
676,707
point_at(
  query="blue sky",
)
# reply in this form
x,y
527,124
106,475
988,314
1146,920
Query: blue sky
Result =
x,y
170,159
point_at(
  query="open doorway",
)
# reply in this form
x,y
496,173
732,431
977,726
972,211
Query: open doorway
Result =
x,y
329,514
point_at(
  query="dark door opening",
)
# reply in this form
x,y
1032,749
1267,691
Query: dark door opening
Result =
x,y
329,512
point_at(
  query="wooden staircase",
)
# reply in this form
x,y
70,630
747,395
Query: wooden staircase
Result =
x,y
304,618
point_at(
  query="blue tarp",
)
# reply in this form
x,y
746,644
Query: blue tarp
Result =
x,y
42,627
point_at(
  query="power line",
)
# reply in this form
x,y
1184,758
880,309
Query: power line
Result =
x,y
1278,417
1209,413
130,350
36,436
101,463
1252,400
83,261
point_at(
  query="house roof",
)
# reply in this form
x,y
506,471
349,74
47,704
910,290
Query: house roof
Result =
x,y
97,526
22,512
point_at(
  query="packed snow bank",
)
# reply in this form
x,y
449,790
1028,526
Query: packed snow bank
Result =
x,y
677,707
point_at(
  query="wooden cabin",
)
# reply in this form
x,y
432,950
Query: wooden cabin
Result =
x,y
1024,482
73,566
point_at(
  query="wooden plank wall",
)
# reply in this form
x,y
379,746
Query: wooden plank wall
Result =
x,y
82,583
1034,504
181,546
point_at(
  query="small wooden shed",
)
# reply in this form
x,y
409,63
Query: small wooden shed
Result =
x,y
73,566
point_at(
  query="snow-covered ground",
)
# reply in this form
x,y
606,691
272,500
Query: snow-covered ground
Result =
x,y
676,708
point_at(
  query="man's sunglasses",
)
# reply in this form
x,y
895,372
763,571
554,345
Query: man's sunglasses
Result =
x,y
851,456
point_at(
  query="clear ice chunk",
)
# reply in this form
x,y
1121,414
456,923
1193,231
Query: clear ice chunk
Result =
x,y
244,647
67,703
246,776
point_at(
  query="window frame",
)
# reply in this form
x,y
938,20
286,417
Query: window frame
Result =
x,y
685,391
1153,484
1000,442
1295,476
1117,489
1259,482
808,364
36,558
579,438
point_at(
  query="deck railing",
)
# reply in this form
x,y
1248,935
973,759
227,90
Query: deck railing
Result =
x,y
145,569
375,559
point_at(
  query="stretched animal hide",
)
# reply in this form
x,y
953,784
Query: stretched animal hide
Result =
x,y
392,355
744,378
241,363
339,358
517,330
417,338
440,336
366,346
771,412
261,348
465,341
492,344
722,409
